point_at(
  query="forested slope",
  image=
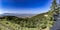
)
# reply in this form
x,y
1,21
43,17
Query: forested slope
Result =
x,y
40,21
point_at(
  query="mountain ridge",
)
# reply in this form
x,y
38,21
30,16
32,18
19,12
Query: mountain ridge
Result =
x,y
18,15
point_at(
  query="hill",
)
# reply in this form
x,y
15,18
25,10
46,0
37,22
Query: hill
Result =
x,y
40,21
44,15
45,18
17,15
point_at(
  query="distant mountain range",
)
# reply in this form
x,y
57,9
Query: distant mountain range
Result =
x,y
18,15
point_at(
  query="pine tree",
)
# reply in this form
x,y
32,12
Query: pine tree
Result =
x,y
54,6
59,8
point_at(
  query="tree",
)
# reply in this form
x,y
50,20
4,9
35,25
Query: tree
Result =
x,y
54,6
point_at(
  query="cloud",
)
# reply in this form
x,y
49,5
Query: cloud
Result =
x,y
25,11
1,11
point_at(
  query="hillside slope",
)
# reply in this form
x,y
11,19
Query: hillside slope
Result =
x,y
40,21
45,18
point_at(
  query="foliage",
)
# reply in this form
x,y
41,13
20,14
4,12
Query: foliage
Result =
x,y
37,21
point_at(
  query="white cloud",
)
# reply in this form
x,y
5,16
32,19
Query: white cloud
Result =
x,y
1,12
31,11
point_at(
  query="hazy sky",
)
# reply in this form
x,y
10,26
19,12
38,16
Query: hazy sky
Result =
x,y
24,6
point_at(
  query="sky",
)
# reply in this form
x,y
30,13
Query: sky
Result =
x,y
25,6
